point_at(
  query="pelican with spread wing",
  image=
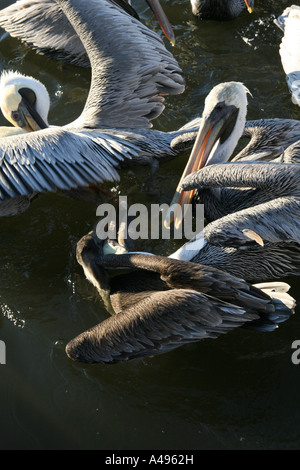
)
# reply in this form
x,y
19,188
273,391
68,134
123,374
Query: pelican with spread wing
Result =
x,y
131,71
44,26
252,204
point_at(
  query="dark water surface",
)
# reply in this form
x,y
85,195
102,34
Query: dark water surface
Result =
x,y
240,391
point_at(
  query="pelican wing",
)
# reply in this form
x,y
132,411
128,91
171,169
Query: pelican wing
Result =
x,y
269,139
289,22
131,68
275,178
292,153
42,25
275,221
159,323
179,274
56,158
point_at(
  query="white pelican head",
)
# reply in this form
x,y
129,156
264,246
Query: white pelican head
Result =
x,y
222,125
24,101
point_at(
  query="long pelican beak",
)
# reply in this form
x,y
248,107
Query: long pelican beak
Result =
x,y
214,129
250,5
26,117
162,19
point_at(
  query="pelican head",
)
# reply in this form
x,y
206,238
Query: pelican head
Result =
x,y
24,101
222,125
89,254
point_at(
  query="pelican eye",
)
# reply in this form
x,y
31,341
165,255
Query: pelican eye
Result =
x,y
220,106
15,115
28,95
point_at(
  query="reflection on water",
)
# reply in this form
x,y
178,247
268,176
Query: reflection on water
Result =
x,y
240,391
12,316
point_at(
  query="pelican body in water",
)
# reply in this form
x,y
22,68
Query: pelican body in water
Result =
x,y
167,303
289,23
222,125
91,148
252,207
43,25
220,9
261,240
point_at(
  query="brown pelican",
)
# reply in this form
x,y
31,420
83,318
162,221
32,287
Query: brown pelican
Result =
x,y
42,25
252,208
222,126
167,303
220,9
259,241
24,102
289,23
143,71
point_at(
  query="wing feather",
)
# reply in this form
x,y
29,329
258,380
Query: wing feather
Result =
x,y
133,66
161,322
57,158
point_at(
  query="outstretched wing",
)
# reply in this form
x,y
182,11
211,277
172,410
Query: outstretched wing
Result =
x,y
131,67
56,158
159,323
41,25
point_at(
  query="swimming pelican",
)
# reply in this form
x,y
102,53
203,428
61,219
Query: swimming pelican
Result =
x,y
143,71
220,9
167,303
258,238
222,126
289,23
251,207
42,25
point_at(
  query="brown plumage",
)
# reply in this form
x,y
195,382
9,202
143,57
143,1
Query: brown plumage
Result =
x,y
166,303
257,192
